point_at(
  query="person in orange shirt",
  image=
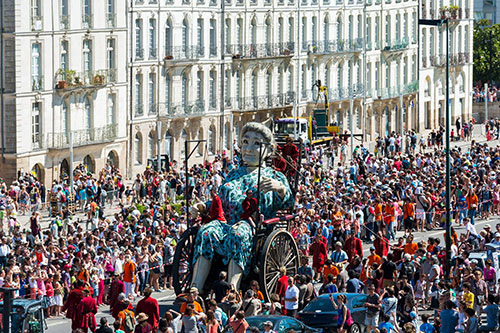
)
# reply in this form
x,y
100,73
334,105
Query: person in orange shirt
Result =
x,y
123,314
410,246
373,257
129,276
472,202
378,212
408,215
191,302
329,268
389,217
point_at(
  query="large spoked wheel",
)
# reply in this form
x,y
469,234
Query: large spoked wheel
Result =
x,y
182,268
280,250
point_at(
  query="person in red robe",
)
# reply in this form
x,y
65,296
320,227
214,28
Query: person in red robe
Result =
x,y
117,287
215,212
85,313
319,254
149,306
291,155
279,162
249,206
353,246
282,286
74,298
381,245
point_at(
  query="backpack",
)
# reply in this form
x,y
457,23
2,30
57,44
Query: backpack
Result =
x,y
129,324
63,197
223,317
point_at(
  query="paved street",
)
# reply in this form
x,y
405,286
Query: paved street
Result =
x,y
166,298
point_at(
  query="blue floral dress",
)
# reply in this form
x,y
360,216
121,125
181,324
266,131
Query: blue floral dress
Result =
x,y
233,240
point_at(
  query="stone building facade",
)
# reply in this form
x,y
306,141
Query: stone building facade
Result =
x,y
63,73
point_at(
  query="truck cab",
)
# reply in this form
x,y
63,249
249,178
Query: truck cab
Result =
x,y
27,316
284,127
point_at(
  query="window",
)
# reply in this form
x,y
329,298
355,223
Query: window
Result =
x,y
290,29
227,131
184,89
199,151
280,30
377,32
268,33
110,14
185,34
87,57
290,78
326,30
327,75
138,95
168,144
387,75
304,33
110,59
139,52
304,81
414,27
360,27
268,84
227,87
168,38
388,30
279,85
369,33
314,28
199,85
213,38
228,34
405,25
111,109
369,77
168,90
87,114
152,93
138,149
64,14
405,70
184,138
211,140
87,14
398,27
36,15
339,76
377,73
199,36
253,32
254,87
64,56
64,117
339,28
211,87
36,68
239,33
351,28
35,123
152,39
151,145
238,88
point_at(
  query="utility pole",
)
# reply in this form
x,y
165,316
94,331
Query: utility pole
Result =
x,y
351,102
70,162
486,103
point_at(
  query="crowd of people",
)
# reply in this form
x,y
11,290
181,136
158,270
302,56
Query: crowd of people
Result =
x,y
479,93
79,265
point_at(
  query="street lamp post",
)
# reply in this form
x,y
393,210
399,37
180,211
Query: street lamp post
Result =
x,y
439,23
187,155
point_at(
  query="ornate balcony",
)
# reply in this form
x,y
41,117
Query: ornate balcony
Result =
x,y
346,93
81,137
68,80
255,51
37,84
181,110
263,102
179,54
397,44
335,46
64,22
456,59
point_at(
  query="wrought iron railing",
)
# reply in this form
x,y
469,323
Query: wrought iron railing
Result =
x,y
180,110
178,53
153,108
251,51
87,21
262,102
334,46
397,44
139,109
152,53
339,94
71,79
37,83
64,22
80,137
139,53
110,20
36,23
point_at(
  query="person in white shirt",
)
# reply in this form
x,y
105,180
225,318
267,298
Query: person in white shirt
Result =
x,y
4,252
291,298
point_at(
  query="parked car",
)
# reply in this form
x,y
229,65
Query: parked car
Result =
x,y
281,324
320,313
27,316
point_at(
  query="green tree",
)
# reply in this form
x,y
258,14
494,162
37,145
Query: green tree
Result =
x,y
486,50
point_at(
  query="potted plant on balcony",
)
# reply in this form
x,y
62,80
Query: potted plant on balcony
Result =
x,y
98,80
169,57
443,12
65,78
453,10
